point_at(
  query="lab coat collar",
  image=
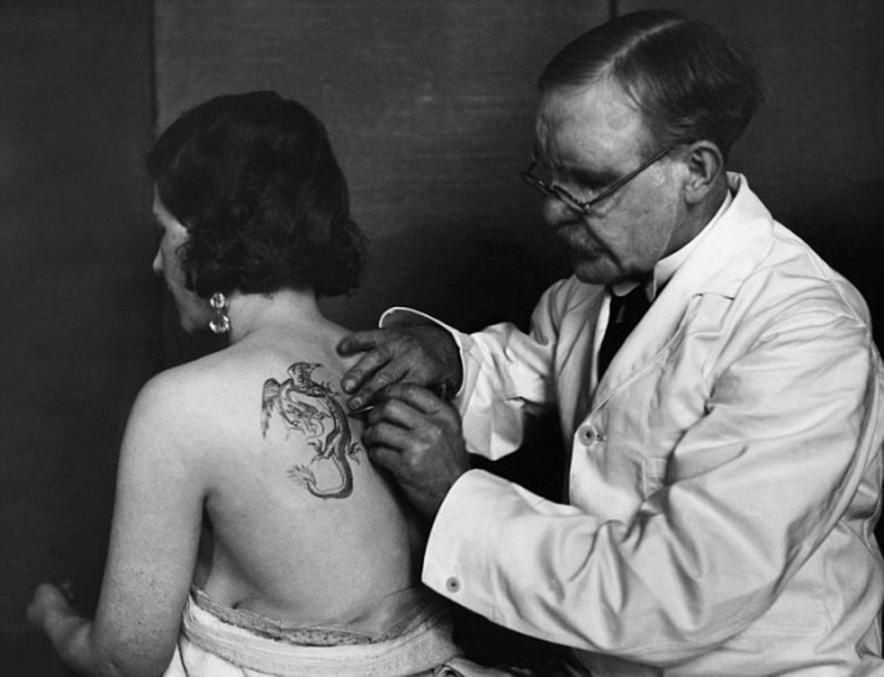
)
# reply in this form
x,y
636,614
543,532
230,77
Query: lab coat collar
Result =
x,y
730,248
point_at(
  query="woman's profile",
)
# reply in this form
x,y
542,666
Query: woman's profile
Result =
x,y
251,534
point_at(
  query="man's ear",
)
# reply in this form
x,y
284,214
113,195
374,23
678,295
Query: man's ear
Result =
x,y
705,165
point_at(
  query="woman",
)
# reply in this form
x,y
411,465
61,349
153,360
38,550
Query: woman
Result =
x,y
247,512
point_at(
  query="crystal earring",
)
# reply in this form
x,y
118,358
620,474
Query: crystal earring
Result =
x,y
220,323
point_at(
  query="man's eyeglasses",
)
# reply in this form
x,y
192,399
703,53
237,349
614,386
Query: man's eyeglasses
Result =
x,y
585,206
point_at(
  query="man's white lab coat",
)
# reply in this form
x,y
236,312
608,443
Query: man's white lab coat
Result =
x,y
725,476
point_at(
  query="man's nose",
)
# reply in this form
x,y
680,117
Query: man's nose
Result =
x,y
157,264
557,214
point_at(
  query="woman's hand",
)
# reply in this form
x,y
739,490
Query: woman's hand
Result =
x,y
48,600
51,611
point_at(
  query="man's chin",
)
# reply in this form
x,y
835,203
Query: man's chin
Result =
x,y
593,272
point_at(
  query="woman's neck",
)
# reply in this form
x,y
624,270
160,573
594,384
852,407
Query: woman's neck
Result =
x,y
285,308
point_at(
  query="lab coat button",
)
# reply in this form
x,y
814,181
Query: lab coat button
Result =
x,y
452,584
590,436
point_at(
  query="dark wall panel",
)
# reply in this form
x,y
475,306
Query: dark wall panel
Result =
x,y
80,330
815,152
430,108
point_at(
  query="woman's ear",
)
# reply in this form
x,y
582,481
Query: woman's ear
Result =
x,y
705,165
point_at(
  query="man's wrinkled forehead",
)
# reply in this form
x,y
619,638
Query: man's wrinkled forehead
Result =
x,y
599,119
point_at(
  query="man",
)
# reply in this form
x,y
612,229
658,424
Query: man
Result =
x,y
725,459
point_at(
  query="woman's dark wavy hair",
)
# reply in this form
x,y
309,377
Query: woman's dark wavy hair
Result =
x,y
687,80
254,180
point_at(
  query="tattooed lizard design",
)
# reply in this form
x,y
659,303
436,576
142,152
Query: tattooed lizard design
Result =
x,y
337,444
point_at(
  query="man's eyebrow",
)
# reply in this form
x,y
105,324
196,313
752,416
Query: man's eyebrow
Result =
x,y
581,175
591,178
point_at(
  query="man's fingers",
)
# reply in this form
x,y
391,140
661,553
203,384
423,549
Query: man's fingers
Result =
x,y
387,434
420,398
396,412
386,458
372,385
371,373
358,342
388,356
375,356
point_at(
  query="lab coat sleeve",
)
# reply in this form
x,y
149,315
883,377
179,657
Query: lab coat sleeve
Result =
x,y
792,424
507,374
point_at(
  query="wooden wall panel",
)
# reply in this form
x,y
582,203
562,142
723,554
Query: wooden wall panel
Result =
x,y
79,303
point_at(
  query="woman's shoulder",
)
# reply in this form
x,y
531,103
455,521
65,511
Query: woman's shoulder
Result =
x,y
225,391
206,379
185,403
184,385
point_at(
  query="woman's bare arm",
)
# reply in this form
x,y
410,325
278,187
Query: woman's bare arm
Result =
x,y
154,537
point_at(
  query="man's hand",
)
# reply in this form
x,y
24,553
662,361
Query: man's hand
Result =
x,y
417,437
421,354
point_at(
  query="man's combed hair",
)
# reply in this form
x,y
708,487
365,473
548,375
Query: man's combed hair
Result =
x,y
254,180
687,80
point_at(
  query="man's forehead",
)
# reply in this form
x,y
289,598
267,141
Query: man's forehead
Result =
x,y
596,119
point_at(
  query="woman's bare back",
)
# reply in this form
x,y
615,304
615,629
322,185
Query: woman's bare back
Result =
x,y
300,526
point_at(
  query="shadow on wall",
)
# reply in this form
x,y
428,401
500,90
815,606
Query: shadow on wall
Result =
x,y
845,228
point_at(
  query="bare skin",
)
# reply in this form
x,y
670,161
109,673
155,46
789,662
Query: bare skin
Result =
x,y
296,523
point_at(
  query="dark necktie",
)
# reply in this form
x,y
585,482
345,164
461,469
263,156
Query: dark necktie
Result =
x,y
626,311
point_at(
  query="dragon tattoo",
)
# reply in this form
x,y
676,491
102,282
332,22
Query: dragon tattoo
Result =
x,y
324,425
